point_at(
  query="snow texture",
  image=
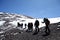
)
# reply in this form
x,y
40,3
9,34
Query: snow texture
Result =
x,y
9,21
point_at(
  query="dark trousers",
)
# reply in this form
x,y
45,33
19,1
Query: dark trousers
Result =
x,y
47,30
36,31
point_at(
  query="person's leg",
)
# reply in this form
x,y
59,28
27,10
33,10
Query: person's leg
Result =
x,y
48,30
46,33
36,31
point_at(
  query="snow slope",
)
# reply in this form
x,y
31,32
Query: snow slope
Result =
x,y
9,20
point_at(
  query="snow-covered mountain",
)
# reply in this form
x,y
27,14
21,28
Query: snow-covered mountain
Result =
x,y
9,21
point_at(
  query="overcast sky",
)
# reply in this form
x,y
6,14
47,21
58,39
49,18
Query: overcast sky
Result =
x,y
33,8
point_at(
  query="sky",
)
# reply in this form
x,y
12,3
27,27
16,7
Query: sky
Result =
x,y
33,8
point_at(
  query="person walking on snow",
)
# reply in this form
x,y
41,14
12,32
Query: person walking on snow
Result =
x,y
36,27
47,30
